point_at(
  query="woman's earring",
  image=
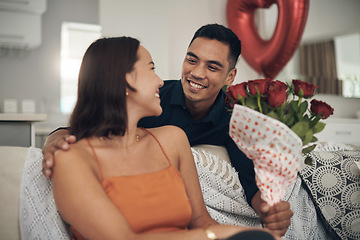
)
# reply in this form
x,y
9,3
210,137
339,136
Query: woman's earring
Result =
x,y
127,93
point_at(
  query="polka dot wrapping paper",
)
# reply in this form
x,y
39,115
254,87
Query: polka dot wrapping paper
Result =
x,y
274,148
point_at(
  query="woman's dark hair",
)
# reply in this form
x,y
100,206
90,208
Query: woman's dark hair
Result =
x,y
224,35
100,109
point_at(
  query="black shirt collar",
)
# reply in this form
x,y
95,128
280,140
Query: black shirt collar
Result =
x,y
178,98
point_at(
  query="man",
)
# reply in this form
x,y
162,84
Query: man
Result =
x,y
196,104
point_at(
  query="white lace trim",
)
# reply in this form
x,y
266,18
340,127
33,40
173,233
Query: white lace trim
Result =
x,y
332,146
221,168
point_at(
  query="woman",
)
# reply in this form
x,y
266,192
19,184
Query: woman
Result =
x,y
120,181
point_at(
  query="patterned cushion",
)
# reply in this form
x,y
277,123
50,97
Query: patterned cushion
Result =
x,y
333,181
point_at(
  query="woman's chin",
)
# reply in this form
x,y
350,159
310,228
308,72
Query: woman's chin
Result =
x,y
159,112
155,113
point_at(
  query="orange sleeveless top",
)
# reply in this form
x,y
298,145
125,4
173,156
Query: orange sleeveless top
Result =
x,y
151,202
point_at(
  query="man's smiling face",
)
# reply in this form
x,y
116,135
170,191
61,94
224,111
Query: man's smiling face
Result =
x,y
205,71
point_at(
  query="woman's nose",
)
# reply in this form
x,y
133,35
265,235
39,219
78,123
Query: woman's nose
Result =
x,y
161,82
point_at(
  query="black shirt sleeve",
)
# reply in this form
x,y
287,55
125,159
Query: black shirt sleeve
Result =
x,y
59,128
245,168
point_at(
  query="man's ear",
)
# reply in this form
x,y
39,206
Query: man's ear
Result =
x,y
230,77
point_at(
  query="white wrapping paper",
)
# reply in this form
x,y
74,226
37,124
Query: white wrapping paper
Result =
x,y
274,148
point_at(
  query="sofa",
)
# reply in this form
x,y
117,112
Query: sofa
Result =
x,y
337,214
11,166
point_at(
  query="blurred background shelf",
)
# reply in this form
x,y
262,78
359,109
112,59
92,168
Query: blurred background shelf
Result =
x,y
341,130
17,129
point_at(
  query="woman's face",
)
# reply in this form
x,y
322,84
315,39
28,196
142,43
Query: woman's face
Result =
x,y
144,79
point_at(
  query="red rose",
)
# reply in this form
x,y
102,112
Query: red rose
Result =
x,y
308,89
276,93
321,108
229,101
235,90
259,84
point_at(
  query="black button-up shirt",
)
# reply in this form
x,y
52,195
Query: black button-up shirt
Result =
x,y
212,129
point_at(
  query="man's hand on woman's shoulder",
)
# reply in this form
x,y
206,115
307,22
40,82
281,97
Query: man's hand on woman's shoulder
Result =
x,y
58,140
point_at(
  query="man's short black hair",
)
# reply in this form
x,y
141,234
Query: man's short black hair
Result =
x,y
224,35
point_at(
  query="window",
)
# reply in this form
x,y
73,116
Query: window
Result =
x,y
75,39
348,63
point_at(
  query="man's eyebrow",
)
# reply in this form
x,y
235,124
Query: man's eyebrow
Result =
x,y
210,61
192,55
216,63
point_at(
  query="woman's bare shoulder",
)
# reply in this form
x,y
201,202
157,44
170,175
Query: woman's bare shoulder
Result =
x,y
77,162
75,154
168,130
173,139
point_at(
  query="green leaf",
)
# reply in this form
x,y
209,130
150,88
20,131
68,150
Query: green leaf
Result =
x,y
308,149
294,106
314,121
265,107
241,99
224,88
251,102
319,127
289,120
306,118
273,115
300,128
308,161
301,93
299,117
308,137
288,108
303,107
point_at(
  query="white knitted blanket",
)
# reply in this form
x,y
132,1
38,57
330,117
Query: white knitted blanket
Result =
x,y
225,199
38,216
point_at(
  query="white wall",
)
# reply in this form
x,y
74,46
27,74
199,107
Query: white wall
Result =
x,y
330,18
165,27
36,74
326,19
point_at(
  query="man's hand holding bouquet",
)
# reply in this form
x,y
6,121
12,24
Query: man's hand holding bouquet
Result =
x,y
273,124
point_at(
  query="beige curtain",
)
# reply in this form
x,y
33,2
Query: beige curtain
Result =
x,y
318,66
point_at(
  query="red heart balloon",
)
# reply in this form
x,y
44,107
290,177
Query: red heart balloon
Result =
x,y
268,57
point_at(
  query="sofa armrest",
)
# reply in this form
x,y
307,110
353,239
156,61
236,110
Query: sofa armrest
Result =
x,y
11,166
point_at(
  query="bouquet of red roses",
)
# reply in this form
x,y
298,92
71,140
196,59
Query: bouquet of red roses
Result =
x,y
272,98
271,122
